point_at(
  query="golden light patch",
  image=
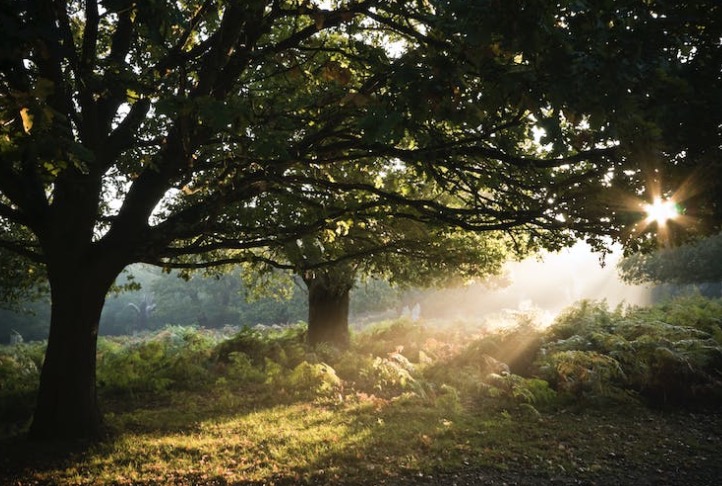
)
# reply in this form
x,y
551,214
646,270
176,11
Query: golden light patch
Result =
x,y
661,211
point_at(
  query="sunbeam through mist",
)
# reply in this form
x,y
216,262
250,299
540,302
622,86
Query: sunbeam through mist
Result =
x,y
539,287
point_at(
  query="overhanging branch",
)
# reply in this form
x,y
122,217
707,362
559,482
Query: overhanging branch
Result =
x,y
23,249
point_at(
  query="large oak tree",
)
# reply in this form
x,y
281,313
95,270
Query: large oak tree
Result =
x,y
165,131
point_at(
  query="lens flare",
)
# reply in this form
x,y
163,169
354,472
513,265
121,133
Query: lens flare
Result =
x,y
660,211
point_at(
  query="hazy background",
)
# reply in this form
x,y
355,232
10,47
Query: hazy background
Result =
x,y
536,288
542,286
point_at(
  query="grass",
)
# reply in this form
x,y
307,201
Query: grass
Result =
x,y
588,400
224,438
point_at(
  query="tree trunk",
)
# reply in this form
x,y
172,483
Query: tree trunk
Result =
x,y
67,406
328,306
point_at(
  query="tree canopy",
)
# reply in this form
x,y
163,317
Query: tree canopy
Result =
x,y
181,133
179,117
192,118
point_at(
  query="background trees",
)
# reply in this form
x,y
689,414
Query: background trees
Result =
x,y
698,263
175,133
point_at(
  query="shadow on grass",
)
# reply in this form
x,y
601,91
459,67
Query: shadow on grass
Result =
x,y
27,461
259,436
21,457
263,436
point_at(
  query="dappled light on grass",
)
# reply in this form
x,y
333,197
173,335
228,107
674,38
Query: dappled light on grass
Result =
x,y
367,440
250,446
408,399
294,442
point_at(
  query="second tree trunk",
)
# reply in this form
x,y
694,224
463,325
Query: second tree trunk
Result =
x,y
328,306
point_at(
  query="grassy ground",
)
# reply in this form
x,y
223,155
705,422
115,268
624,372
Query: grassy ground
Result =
x,y
408,403
225,438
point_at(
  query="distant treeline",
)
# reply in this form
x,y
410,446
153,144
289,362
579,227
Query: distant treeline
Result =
x,y
157,299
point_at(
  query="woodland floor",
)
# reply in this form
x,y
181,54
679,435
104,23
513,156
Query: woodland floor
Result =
x,y
366,441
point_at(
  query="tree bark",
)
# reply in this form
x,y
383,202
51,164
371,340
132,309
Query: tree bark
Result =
x,y
67,405
328,306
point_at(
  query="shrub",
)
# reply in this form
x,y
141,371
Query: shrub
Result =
x,y
584,374
319,379
581,319
285,346
389,376
19,378
388,336
175,357
591,351
477,376
517,347
241,370
694,311
511,389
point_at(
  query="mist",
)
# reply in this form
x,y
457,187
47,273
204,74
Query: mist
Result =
x,y
539,287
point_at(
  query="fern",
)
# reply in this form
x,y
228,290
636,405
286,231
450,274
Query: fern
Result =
x,y
650,351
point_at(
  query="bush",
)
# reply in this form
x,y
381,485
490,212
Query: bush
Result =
x,y
19,377
175,357
517,347
309,380
241,370
388,336
479,377
583,375
284,346
694,311
389,376
581,319
510,389
591,351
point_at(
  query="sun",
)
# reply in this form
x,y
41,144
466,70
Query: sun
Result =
x,y
660,211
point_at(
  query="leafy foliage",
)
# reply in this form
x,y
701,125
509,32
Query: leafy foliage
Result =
x,y
591,351
696,262
176,357
19,377
285,346
309,380
584,374
590,356
20,281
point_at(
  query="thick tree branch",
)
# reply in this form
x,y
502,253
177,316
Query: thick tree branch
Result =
x,y
122,39
66,34
10,185
222,49
25,191
90,38
123,136
57,46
